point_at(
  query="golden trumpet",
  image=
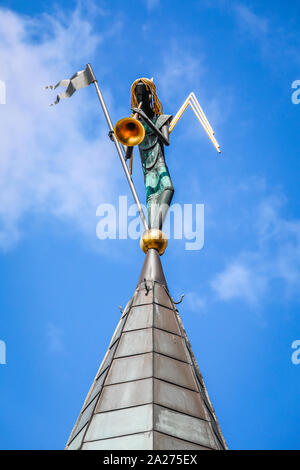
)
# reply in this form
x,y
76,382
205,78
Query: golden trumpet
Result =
x,y
130,131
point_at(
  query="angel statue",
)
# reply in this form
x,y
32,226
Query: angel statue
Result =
x,y
157,126
158,183
150,129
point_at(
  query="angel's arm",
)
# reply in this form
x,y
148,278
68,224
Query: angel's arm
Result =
x,y
162,134
127,150
165,132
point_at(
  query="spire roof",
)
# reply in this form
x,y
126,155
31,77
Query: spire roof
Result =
x,y
152,269
148,392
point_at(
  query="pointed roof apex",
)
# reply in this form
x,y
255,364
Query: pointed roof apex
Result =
x,y
148,393
152,269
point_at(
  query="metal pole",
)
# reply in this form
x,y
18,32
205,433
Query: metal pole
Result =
x,y
118,147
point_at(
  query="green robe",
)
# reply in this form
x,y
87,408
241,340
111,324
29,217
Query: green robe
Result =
x,y
156,174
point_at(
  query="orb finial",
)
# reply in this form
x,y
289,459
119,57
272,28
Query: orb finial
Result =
x,y
154,238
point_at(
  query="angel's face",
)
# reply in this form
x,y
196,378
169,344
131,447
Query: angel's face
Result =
x,y
142,94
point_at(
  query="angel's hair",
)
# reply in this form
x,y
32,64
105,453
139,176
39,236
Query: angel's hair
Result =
x,y
156,104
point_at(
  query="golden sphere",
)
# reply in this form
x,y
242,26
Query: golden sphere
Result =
x,y
154,238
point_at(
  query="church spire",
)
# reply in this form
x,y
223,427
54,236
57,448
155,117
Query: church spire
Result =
x,y
148,392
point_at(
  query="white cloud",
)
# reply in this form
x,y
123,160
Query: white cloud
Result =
x,y
238,281
273,268
47,162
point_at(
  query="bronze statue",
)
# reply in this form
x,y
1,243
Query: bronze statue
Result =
x,y
150,129
158,184
151,139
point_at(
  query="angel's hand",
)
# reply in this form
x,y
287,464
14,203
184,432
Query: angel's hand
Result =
x,y
128,153
140,112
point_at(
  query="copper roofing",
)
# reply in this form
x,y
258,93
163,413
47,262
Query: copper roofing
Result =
x,y
148,392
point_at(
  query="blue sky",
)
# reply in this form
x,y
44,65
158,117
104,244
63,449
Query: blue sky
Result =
x,y
60,286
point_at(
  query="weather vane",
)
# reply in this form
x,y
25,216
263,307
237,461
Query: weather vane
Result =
x,y
150,129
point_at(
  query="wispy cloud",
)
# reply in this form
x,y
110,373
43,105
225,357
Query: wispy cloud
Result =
x,y
276,40
274,267
179,69
239,281
48,164
251,22
180,73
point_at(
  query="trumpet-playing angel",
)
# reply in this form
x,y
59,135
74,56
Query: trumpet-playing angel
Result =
x,y
157,126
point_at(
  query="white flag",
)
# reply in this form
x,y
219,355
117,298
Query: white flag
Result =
x,y
79,80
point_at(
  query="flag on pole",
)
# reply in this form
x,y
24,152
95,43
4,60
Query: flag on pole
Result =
x,y
79,80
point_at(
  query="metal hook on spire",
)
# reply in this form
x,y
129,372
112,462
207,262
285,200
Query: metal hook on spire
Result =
x,y
179,302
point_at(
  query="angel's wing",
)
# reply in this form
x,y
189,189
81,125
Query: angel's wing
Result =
x,y
193,102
